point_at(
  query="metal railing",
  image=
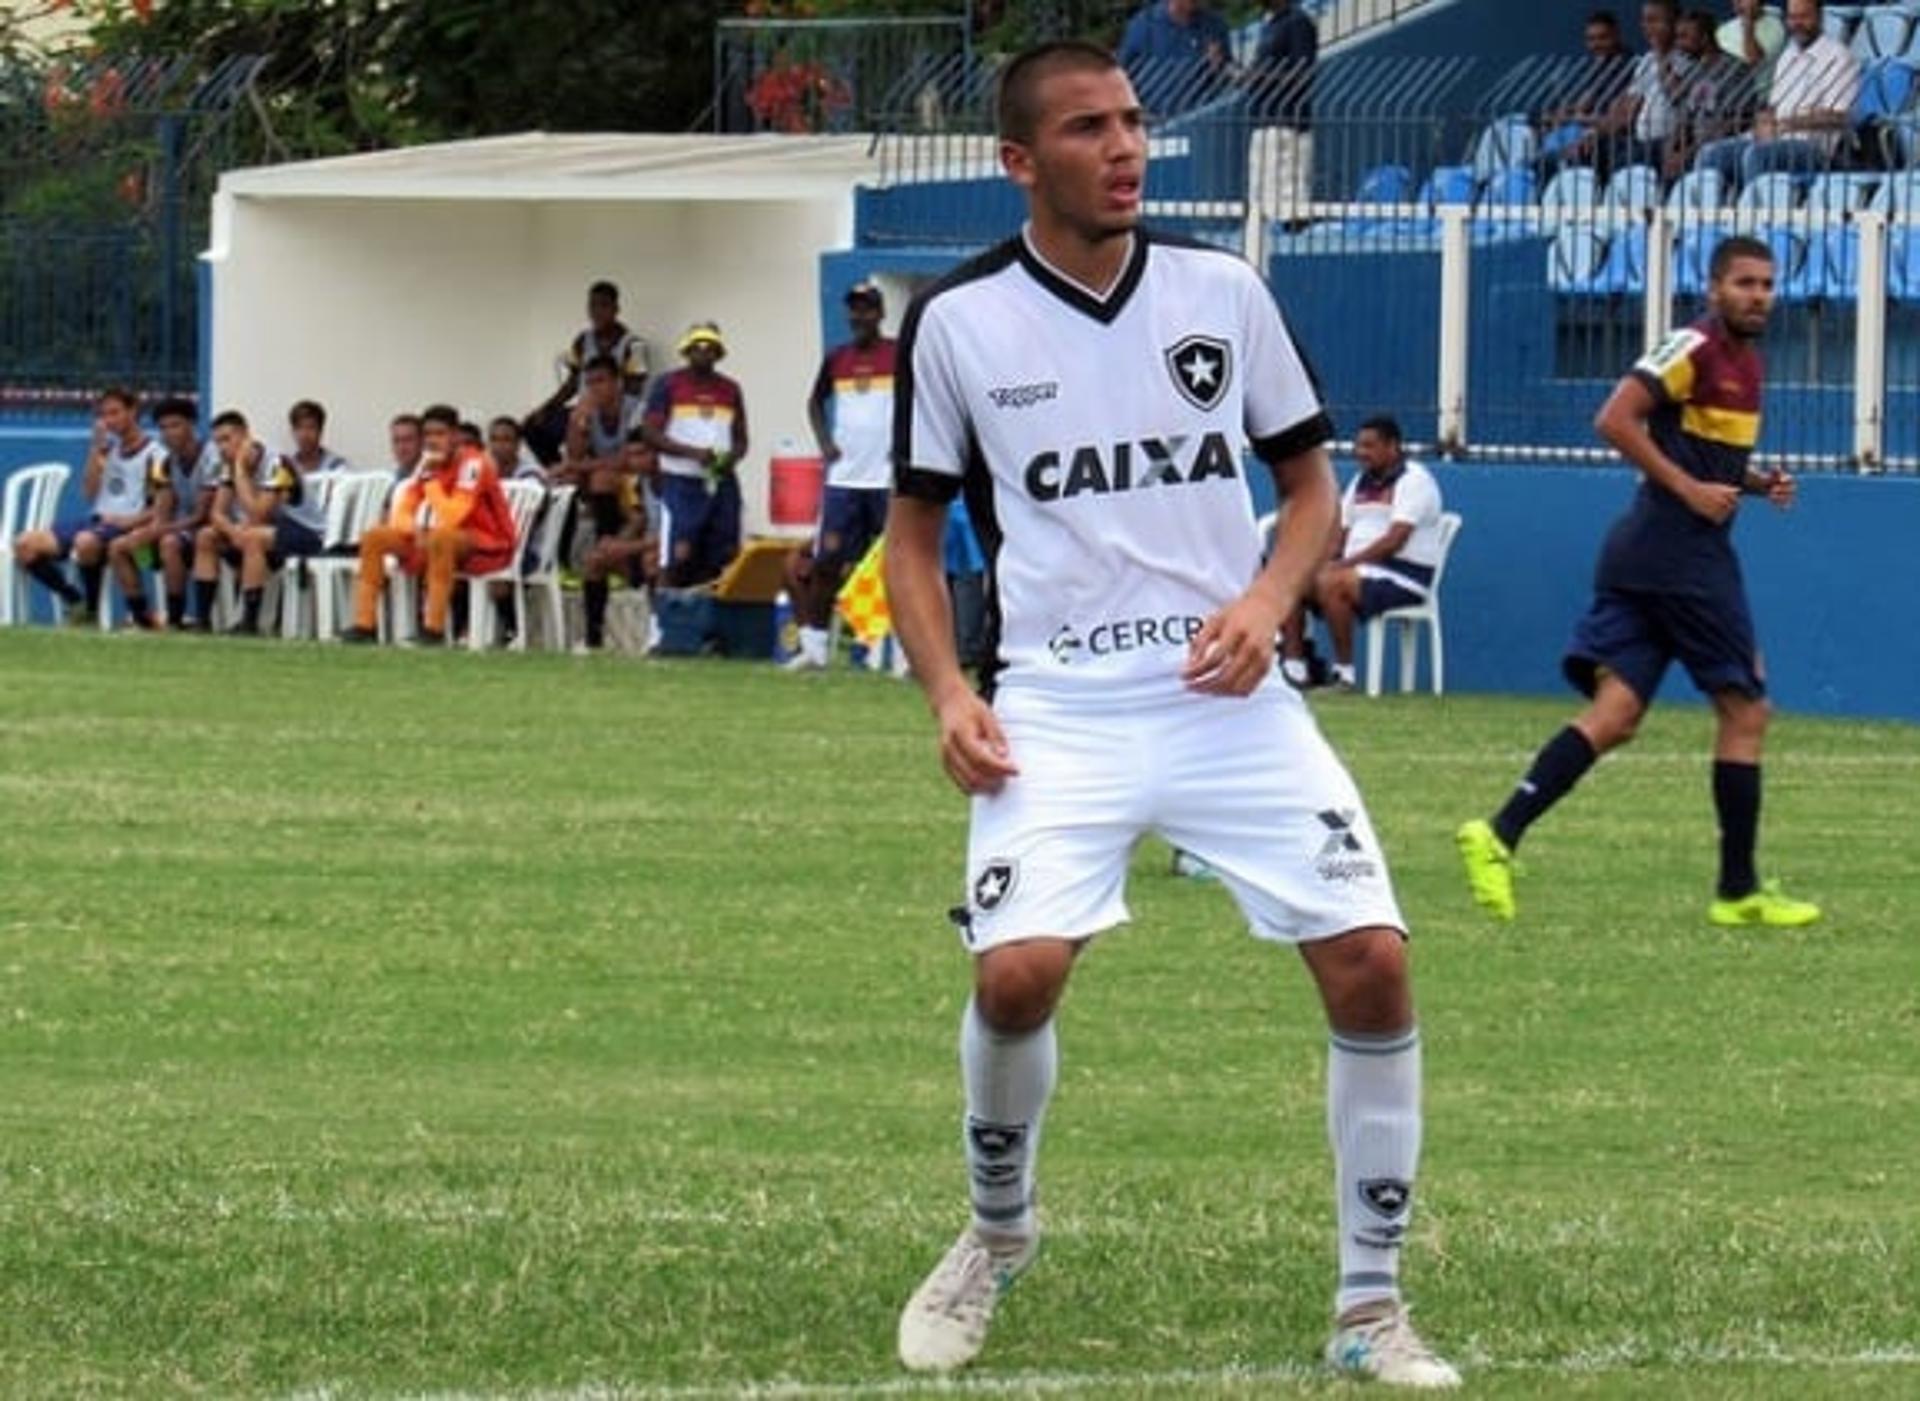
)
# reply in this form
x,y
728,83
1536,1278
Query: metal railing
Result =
x,y
106,176
1484,249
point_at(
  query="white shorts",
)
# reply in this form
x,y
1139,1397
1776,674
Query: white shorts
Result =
x,y
1248,785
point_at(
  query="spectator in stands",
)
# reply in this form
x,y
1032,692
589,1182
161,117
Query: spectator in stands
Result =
x,y
1708,96
595,459
1814,86
633,554
1754,37
1388,548
851,412
1642,119
1174,50
265,512
605,335
508,449
468,526
114,482
404,440
1599,80
1282,105
696,421
308,421
180,492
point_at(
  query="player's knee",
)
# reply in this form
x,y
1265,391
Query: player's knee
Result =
x,y
1017,987
1364,980
1746,716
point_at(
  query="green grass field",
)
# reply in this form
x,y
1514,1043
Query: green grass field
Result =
x,y
379,1024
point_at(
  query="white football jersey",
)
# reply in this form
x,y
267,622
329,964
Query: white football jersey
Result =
x,y
1101,447
1371,506
123,483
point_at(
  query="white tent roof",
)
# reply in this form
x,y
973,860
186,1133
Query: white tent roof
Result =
x,y
542,166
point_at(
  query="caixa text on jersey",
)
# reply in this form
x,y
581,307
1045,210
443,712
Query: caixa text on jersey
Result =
x,y
1130,466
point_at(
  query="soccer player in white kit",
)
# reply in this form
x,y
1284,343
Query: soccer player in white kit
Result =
x,y
1092,387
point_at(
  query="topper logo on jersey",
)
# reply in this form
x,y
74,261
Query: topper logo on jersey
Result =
x,y
1201,367
1130,466
1024,396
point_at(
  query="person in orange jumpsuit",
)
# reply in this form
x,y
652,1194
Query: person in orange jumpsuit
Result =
x,y
450,516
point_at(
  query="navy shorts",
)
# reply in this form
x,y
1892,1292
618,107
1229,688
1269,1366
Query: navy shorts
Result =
x,y
851,519
1379,596
291,540
702,527
67,531
1636,636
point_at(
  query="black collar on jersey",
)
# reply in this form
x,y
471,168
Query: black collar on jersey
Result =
x,y
1078,297
1383,481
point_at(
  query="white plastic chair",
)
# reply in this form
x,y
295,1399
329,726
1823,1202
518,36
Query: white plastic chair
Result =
x,y
1409,620
32,500
295,574
1632,194
523,500
544,579
359,500
1571,196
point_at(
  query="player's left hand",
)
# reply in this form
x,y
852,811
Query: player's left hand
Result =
x,y
1233,651
1782,489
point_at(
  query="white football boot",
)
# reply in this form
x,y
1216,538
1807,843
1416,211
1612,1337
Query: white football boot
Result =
x,y
944,1325
1376,1342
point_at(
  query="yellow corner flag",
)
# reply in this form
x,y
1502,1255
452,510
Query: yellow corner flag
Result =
x,y
863,599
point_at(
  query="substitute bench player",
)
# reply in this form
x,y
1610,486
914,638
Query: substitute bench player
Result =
x,y
1091,388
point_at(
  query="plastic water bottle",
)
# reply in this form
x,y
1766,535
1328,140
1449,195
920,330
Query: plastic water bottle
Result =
x,y
786,629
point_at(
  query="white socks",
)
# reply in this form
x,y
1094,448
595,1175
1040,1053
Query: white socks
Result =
x,y
1373,1118
1343,671
813,645
1009,1078
1294,669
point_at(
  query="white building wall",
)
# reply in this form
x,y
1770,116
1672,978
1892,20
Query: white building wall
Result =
x,y
377,305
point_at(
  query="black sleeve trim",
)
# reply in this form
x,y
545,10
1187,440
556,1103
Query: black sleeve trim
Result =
x,y
922,485
1304,436
1656,386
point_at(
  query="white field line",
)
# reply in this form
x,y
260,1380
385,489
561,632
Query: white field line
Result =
x,y
1620,1358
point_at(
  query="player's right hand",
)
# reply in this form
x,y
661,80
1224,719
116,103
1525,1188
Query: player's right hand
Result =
x,y
1713,501
973,748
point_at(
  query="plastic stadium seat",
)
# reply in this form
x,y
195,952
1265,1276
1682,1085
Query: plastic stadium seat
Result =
x,y
1448,184
1385,184
1571,196
1503,144
1883,33
1692,256
1903,265
1838,21
1775,193
1898,197
1575,258
1633,191
1886,90
1506,199
1695,193
1624,273
1410,620
1789,262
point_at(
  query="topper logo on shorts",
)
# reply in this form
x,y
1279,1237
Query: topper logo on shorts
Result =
x,y
994,884
1024,396
1201,367
1118,635
1130,466
1343,856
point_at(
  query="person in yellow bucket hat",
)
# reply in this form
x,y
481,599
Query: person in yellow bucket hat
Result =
x,y
696,420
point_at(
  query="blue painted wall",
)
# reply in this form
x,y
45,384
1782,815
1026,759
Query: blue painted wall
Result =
x,y
1832,583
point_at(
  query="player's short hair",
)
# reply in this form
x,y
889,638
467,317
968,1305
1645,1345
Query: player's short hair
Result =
x,y
512,425
604,364
1672,7
229,418
603,290
1016,105
1739,246
1385,425
175,406
1705,18
308,411
443,414
1605,18
119,395
405,420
